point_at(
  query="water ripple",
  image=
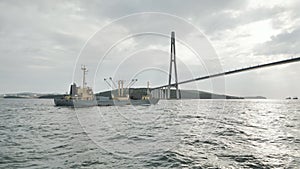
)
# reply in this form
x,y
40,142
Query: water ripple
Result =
x,y
172,134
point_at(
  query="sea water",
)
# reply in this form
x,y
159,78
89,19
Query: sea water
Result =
x,y
172,134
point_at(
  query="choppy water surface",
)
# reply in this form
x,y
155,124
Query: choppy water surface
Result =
x,y
172,134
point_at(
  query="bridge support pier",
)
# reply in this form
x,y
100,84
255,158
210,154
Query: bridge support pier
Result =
x,y
173,61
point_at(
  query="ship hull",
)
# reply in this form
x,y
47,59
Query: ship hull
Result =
x,y
74,103
151,101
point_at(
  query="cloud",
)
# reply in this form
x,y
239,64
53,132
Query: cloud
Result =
x,y
286,43
43,38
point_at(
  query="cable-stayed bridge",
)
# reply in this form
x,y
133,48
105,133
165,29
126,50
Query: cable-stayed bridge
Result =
x,y
164,91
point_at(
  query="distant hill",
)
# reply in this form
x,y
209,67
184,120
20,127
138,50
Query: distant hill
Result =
x,y
22,95
14,97
194,94
134,93
137,93
255,97
30,95
51,96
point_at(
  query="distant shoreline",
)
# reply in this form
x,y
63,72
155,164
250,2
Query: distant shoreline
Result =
x,y
134,93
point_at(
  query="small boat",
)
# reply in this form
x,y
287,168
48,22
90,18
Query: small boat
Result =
x,y
79,96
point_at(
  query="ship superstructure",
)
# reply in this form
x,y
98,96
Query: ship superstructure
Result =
x,y
81,96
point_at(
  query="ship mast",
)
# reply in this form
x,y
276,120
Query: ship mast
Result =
x,y
84,70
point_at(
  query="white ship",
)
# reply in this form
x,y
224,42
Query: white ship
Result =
x,y
79,96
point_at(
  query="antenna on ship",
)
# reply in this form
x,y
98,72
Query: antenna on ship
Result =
x,y
84,69
131,83
113,82
108,83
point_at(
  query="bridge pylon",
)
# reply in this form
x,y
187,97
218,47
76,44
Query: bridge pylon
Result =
x,y
173,62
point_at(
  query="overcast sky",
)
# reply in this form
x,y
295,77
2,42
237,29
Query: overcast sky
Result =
x,y
43,42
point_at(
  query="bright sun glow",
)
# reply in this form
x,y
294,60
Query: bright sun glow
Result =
x,y
259,32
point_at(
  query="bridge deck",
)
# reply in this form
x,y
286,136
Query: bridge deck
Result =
x,y
291,60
